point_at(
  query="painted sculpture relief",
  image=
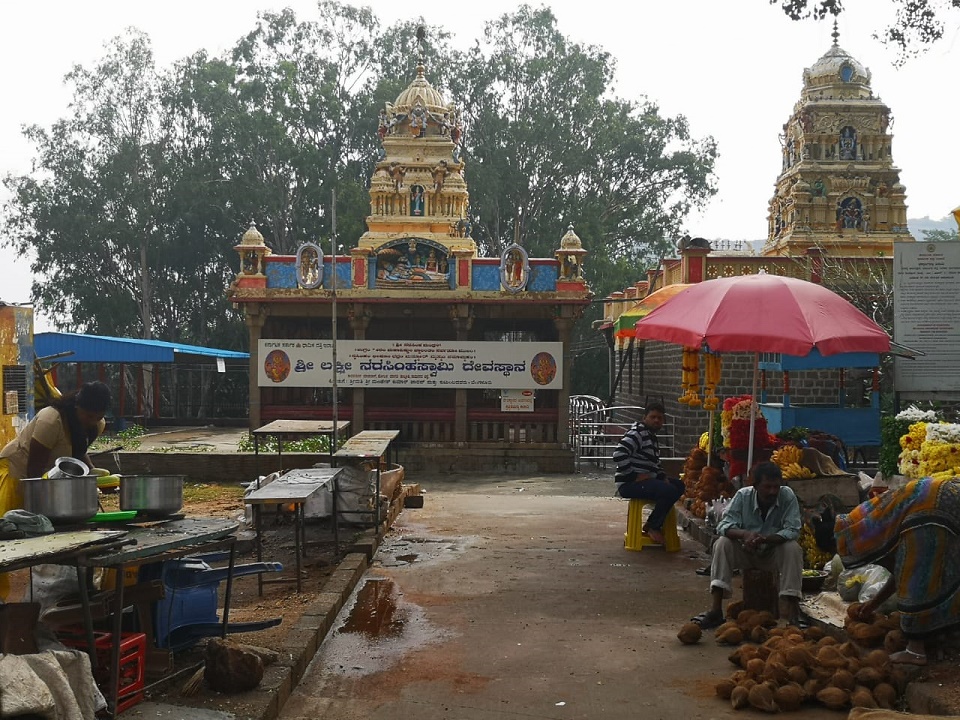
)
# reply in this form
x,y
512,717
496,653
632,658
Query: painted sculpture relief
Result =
x,y
514,269
413,264
309,266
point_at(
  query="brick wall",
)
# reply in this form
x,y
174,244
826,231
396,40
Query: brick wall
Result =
x,y
658,378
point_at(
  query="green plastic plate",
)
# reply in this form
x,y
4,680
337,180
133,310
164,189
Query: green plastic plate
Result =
x,y
117,516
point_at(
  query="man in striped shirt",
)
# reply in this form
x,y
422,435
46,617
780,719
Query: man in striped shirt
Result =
x,y
639,474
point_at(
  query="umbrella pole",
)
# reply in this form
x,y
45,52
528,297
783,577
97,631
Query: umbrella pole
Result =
x,y
710,440
753,412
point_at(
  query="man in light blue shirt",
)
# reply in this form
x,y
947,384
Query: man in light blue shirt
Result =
x,y
758,530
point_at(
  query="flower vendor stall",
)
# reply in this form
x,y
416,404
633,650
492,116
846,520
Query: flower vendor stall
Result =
x,y
735,429
931,449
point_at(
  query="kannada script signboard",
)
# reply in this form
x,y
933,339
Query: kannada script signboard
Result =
x,y
411,363
927,315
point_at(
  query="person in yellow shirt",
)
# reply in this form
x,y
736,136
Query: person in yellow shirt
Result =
x,y
65,428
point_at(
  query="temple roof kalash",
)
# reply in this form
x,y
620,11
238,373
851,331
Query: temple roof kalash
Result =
x,y
837,73
419,91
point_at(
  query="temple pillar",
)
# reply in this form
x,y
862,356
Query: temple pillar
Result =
x,y
254,317
462,321
359,317
564,326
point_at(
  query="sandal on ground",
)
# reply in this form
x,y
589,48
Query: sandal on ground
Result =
x,y
708,620
800,623
908,657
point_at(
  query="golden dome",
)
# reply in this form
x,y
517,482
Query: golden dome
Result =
x,y
252,236
420,91
570,241
836,67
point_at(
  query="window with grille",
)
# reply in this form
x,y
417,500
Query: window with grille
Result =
x,y
14,389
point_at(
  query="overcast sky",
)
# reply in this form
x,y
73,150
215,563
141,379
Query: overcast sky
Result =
x,y
733,68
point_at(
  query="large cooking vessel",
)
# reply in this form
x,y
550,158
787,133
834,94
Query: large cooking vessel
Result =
x,y
158,495
63,500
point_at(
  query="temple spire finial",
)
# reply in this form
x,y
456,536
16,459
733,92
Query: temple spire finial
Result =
x,y
421,38
835,34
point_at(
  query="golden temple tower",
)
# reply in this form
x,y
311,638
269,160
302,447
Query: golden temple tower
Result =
x,y
418,196
838,189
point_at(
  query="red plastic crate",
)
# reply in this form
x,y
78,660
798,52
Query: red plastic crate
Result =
x,y
133,651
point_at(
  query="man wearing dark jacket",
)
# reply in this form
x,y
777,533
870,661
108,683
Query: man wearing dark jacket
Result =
x,y
639,474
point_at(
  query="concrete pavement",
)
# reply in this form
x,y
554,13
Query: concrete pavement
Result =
x,y
514,598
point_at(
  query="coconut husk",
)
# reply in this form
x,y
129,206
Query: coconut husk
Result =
x,y
734,609
885,695
894,641
834,698
690,633
869,676
843,679
739,697
877,658
761,697
724,688
755,667
862,697
757,634
813,633
797,674
731,636
788,697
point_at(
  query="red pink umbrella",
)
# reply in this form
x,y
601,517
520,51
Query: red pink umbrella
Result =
x,y
763,313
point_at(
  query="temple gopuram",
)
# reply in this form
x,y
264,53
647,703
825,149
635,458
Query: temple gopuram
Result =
x,y
837,209
467,356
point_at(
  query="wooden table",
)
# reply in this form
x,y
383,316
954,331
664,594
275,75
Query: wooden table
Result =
x,y
294,488
366,445
285,430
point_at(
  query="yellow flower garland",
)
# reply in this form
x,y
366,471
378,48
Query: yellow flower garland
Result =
x,y
690,377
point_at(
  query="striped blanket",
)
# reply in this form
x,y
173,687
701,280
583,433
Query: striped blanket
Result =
x,y
919,526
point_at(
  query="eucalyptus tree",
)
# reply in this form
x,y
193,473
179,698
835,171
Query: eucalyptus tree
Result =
x,y
548,145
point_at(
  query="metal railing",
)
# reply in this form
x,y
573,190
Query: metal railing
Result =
x,y
595,430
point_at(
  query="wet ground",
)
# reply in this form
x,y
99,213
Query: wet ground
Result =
x,y
505,599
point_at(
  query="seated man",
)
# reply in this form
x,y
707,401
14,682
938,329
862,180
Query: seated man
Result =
x,y
639,474
759,530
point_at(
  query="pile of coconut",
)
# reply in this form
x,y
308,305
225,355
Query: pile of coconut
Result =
x,y
783,667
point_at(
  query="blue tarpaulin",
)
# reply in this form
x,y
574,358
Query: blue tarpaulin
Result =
x,y
100,349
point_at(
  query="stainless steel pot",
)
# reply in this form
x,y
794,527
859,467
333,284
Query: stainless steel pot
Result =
x,y
63,500
157,495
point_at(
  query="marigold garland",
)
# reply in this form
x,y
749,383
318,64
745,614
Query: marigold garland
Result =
x,y
690,377
712,366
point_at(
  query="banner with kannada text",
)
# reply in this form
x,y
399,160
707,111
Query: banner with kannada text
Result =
x,y
411,363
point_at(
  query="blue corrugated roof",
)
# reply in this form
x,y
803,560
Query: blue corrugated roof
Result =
x,y
100,349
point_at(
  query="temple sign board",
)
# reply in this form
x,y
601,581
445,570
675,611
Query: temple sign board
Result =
x,y
411,363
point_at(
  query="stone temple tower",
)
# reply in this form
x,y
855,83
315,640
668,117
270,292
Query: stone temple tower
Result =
x,y
838,189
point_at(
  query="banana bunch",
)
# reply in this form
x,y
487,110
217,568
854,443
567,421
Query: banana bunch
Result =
x,y
787,455
814,557
796,471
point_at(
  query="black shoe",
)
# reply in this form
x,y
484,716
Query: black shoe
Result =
x,y
704,571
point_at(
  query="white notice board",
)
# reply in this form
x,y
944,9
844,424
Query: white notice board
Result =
x,y
517,400
926,284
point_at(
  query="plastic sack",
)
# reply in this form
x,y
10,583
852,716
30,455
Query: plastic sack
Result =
x,y
715,511
849,583
874,578
52,583
833,568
